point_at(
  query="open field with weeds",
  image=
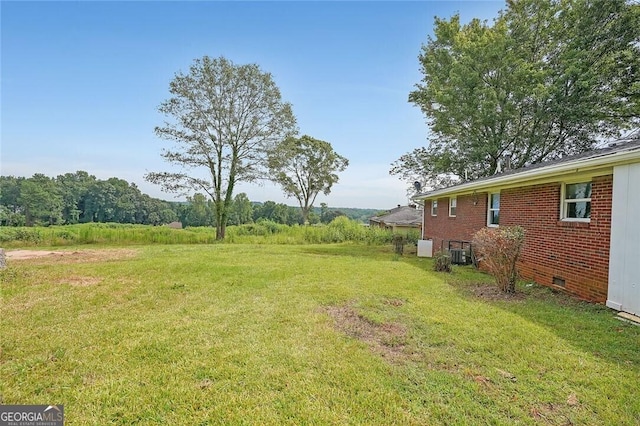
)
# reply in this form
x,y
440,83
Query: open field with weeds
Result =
x,y
339,230
303,334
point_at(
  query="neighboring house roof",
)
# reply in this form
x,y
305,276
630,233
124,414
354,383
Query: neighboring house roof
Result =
x,y
623,151
400,216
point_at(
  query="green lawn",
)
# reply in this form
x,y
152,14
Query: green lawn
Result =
x,y
306,334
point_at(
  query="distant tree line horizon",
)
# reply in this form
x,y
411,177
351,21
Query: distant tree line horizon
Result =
x,y
79,197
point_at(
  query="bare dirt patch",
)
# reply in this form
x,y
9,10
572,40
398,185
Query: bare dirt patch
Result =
x,y
388,340
30,254
492,292
551,414
72,256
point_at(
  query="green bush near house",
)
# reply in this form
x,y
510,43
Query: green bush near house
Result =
x,y
442,261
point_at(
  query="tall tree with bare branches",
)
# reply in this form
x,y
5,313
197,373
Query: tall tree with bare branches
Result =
x,y
224,119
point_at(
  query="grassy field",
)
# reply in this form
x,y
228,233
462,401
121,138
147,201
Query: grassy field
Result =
x,y
305,334
339,230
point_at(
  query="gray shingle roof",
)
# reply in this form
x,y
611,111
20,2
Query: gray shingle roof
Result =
x,y
403,215
630,143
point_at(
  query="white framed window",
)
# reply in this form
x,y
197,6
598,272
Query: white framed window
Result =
x,y
434,208
453,203
493,211
576,202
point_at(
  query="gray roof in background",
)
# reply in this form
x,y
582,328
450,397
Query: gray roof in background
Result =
x,y
402,215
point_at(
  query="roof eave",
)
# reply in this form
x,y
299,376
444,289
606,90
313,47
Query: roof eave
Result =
x,y
580,165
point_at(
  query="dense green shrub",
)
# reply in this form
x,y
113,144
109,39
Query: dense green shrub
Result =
x,y
413,236
442,261
341,229
26,235
398,240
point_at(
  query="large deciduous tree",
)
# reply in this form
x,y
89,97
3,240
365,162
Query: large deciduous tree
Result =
x,y
304,167
74,187
41,200
546,79
10,192
224,118
241,210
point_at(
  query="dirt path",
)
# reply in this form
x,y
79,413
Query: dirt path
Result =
x,y
30,254
71,256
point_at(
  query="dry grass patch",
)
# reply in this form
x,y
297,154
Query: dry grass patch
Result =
x,y
394,302
388,340
80,281
25,304
554,413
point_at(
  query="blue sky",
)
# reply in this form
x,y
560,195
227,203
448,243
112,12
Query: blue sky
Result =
x,y
81,81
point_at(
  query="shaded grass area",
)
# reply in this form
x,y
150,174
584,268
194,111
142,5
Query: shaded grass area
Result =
x,y
305,334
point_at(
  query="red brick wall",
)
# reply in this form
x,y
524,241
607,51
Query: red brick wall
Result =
x,y
471,215
575,252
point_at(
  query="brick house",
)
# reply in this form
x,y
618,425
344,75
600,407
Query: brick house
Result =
x,y
578,213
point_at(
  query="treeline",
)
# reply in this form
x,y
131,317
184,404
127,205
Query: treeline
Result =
x,y
198,211
82,198
77,198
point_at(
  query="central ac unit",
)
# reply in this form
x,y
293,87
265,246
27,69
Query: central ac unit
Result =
x,y
458,256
